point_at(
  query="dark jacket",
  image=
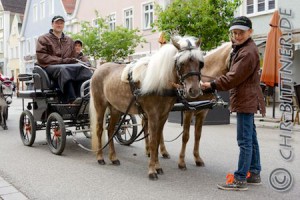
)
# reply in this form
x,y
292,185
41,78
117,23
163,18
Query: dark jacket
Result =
x,y
82,57
243,79
52,50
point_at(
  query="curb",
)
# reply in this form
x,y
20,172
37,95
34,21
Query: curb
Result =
x,y
9,192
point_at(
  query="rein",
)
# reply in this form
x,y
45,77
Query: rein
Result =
x,y
206,76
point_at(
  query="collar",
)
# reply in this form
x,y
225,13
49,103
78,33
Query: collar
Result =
x,y
62,34
236,47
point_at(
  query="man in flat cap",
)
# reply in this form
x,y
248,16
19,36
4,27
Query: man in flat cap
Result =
x,y
56,48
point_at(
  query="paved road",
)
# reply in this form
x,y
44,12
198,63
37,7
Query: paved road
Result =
x,y
38,174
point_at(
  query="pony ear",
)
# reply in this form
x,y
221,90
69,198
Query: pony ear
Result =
x,y
198,42
175,43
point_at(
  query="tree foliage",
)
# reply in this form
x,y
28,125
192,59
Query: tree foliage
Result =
x,y
100,42
208,19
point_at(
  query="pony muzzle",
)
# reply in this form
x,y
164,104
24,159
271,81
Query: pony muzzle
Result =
x,y
193,92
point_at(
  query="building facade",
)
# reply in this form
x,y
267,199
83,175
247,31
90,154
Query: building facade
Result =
x,y
14,61
133,14
37,21
8,9
261,11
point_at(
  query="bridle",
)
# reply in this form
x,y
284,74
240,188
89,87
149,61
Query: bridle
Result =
x,y
182,77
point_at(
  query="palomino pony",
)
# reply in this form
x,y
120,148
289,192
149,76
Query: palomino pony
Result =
x,y
177,63
216,63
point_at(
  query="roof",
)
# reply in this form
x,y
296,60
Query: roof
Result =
x,y
69,5
15,6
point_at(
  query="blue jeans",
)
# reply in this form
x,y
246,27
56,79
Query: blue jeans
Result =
x,y
249,158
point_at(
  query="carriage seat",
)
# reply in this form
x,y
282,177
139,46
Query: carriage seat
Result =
x,y
41,79
43,87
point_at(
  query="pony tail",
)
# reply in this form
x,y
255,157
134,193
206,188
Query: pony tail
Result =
x,y
93,121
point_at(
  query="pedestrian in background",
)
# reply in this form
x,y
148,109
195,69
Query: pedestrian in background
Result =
x,y
245,98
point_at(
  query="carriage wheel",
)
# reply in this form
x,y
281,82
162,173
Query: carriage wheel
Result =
x,y
27,128
56,133
128,131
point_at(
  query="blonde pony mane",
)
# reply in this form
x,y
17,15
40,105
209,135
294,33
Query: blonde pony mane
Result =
x,y
156,72
159,72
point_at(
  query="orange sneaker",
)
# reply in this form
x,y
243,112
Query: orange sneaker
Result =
x,y
233,184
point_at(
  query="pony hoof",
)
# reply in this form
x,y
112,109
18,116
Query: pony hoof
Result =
x,y
166,156
116,162
200,164
101,162
153,176
182,167
159,171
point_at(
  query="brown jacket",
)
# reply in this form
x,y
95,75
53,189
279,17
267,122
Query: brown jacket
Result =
x,y
243,79
52,50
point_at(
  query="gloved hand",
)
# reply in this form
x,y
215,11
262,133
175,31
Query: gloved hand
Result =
x,y
208,91
69,60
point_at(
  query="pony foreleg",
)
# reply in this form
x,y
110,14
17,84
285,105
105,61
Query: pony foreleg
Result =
x,y
187,117
155,130
198,130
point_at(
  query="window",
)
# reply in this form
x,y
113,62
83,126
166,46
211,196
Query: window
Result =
x,y
35,13
259,6
128,18
271,4
112,22
148,15
42,8
250,6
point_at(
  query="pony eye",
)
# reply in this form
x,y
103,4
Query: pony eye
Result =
x,y
201,64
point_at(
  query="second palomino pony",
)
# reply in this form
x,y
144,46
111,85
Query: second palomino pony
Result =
x,y
177,63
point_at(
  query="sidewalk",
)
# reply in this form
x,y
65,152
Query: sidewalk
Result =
x,y
268,121
9,192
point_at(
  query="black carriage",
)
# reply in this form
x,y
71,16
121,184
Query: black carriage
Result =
x,y
45,111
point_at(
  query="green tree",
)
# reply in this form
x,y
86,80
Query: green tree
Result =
x,y
208,19
100,42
